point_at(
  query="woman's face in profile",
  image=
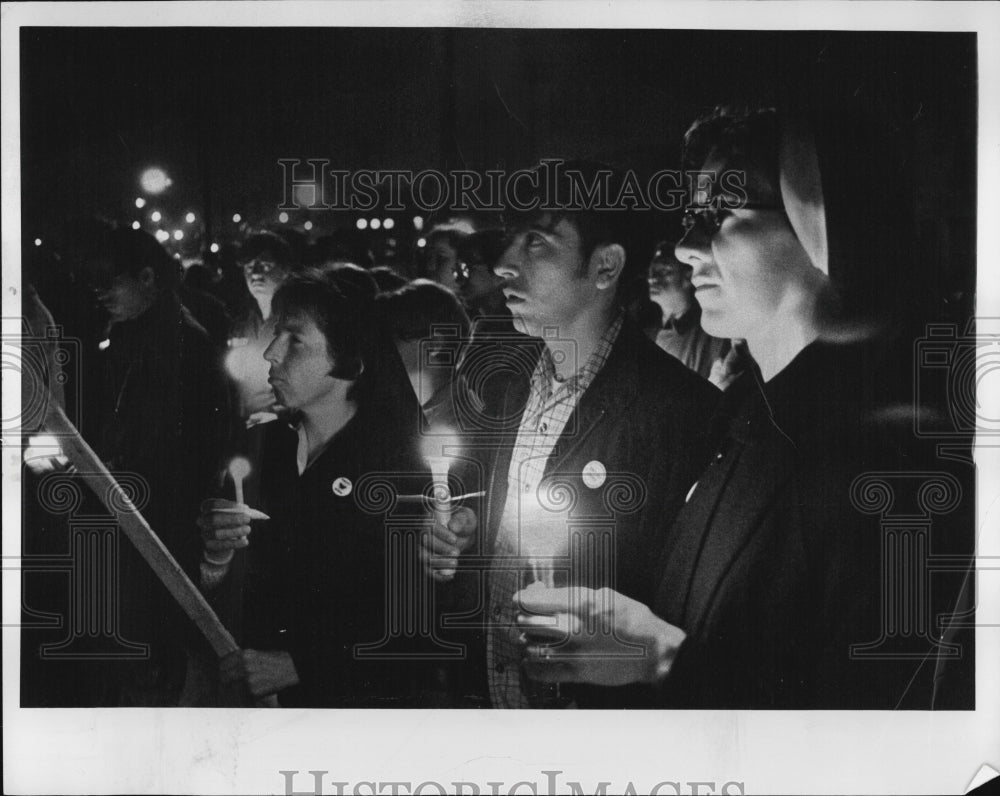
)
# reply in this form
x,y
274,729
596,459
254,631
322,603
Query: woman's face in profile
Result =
x,y
746,263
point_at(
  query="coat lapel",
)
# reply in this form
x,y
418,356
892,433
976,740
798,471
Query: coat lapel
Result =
x,y
613,390
714,528
514,401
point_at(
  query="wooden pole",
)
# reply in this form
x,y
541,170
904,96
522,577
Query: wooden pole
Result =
x,y
92,470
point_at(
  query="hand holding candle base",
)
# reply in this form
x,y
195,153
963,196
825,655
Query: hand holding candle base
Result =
x,y
225,525
542,694
446,541
596,636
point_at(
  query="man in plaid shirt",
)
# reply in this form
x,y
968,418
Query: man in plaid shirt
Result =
x,y
604,437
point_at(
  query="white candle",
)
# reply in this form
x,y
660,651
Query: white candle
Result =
x,y
239,468
438,448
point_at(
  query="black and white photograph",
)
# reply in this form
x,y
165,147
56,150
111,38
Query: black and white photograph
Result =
x,y
499,398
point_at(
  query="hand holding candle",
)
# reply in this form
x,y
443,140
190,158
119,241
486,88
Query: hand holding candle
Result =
x,y
452,530
225,525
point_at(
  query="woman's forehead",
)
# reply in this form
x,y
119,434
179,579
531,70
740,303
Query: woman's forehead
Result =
x,y
729,176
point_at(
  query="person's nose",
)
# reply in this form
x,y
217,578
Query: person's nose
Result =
x,y
695,248
507,266
275,352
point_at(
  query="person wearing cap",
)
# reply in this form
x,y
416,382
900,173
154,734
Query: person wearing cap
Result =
x,y
772,579
681,334
164,414
599,432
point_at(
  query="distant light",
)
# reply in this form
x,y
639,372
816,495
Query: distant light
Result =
x,y
362,223
237,218
155,216
38,241
155,181
140,203
104,345
307,226
375,223
418,223
214,248
162,235
388,223
189,218
136,225
178,234
421,242
283,217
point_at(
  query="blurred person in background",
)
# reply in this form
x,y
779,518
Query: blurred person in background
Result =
x,y
440,252
164,415
208,310
266,260
681,334
387,278
429,328
481,290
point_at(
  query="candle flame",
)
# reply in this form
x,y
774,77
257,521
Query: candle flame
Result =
x,y
543,532
239,468
439,444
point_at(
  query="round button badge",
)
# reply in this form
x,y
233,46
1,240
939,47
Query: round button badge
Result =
x,y
342,486
594,474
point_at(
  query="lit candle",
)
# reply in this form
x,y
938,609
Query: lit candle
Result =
x,y
439,446
543,536
239,468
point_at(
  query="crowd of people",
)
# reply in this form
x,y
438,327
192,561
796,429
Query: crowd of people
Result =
x,y
542,468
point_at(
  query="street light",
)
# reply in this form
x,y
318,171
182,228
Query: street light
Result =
x,y
388,223
361,223
155,180
307,226
189,218
237,218
136,225
140,203
155,216
283,217
178,234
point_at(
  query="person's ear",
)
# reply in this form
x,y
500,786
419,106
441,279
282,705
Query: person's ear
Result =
x,y
608,261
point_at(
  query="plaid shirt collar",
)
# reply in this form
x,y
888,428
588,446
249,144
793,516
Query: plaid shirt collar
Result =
x,y
545,371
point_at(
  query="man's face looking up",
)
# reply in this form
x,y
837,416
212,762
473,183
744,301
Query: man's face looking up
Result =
x,y
548,278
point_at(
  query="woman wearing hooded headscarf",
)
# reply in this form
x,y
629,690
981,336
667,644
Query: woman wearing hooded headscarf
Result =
x,y
779,584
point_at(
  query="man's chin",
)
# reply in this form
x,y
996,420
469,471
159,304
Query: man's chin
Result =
x,y
523,325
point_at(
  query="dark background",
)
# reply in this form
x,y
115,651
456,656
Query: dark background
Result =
x,y
217,108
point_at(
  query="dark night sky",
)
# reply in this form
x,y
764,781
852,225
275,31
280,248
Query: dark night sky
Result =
x,y
224,104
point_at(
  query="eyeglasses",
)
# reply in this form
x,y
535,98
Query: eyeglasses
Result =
x,y
709,218
259,266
